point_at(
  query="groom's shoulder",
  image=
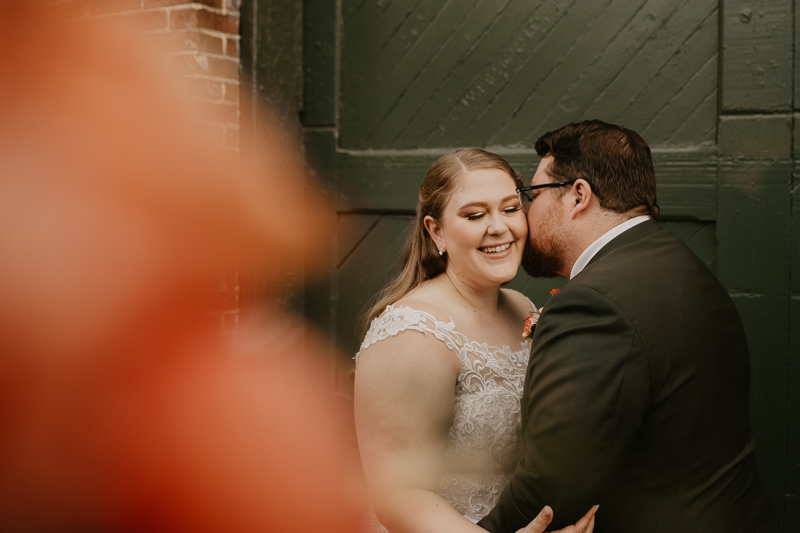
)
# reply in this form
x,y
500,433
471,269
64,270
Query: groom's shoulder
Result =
x,y
656,250
657,260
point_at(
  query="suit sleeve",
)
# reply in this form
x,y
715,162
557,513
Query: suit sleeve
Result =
x,y
586,392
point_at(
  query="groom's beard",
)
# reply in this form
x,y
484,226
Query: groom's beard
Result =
x,y
543,259
543,254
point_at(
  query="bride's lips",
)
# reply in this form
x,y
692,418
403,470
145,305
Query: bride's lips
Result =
x,y
498,251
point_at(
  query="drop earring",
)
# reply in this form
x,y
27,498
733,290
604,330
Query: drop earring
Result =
x,y
441,250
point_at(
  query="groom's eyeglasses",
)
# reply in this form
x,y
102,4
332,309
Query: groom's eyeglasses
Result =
x,y
525,199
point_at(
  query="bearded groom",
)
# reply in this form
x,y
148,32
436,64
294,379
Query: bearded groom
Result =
x,y
636,394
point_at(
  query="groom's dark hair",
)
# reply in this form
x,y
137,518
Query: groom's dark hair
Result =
x,y
615,161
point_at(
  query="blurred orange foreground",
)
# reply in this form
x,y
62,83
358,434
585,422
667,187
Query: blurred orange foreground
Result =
x,y
121,408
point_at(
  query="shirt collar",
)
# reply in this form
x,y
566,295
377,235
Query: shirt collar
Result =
x,y
604,239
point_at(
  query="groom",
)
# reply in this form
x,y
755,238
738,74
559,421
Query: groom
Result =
x,y
636,394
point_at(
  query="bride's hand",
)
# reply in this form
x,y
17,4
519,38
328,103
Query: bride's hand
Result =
x,y
545,516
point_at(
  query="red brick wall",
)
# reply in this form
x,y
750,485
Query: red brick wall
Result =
x,y
202,39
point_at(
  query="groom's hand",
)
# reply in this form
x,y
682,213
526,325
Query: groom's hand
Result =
x,y
545,516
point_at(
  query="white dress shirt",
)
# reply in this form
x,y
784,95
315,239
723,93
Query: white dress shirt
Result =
x,y
604,239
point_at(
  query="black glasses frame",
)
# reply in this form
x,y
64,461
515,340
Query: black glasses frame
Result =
x,y
526,199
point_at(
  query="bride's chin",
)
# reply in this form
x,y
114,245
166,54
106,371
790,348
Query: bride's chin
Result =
x,y
501,279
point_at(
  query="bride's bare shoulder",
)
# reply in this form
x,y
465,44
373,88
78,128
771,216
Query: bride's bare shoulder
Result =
x,y
518,302
427,299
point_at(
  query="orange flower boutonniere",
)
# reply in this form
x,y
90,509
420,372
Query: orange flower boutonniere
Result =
x,y
531,321
530,324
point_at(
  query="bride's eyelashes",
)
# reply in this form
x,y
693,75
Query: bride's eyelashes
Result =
x,y
506,210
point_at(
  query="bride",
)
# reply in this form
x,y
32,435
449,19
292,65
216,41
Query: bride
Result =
x,y
437,412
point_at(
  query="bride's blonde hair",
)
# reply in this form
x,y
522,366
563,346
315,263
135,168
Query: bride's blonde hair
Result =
x,y
420,258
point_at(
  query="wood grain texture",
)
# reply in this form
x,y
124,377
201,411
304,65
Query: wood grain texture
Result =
x,y
369,180
753,226
756,136
795,230
277,65
271,50
792,465
796,70
700,237
351,231
796,137
757,42
753,221
687,189
364,272
766,321
321,154
319,63
431,74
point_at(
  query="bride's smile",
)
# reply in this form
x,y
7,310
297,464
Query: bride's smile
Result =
x,y
483,229
496,251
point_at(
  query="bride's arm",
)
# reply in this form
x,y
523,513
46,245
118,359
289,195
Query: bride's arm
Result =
x,y
404,400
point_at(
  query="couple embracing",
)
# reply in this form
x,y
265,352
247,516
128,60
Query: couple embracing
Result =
x,y
631,393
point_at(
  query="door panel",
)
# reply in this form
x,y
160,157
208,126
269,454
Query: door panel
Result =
x,y
432,74
709,84
365,269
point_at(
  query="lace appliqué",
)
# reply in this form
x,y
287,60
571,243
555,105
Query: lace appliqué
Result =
x,y
483,439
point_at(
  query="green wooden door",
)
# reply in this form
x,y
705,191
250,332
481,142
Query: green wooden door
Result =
x,y
390,85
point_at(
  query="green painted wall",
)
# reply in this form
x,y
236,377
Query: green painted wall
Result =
x,y
714,87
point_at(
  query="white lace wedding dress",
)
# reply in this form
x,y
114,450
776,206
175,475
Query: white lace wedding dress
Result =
x,y
481,451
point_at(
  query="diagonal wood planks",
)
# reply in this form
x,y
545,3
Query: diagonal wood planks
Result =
x,y
447,73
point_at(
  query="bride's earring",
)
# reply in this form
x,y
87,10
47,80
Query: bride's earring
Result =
x,y
441,250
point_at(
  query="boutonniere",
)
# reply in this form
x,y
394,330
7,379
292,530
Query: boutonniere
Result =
x,y
531,321
530,324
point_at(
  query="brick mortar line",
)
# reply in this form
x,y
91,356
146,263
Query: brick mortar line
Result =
x,y
168,10
181,53
185,7
203,31
209,78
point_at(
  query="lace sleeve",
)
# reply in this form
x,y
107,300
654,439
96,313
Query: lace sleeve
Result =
x,y
396,319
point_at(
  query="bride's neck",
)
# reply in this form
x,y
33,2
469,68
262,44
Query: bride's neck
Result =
x,y
479,298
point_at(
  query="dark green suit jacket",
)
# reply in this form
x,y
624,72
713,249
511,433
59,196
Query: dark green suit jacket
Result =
x,y
636,398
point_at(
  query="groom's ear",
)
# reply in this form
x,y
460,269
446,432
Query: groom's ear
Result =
x,y
581,197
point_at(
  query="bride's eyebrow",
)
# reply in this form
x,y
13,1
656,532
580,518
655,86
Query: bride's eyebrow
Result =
x,y
484,204
473,204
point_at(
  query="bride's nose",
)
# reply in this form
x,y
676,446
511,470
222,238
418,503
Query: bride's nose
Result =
x,y
497,225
